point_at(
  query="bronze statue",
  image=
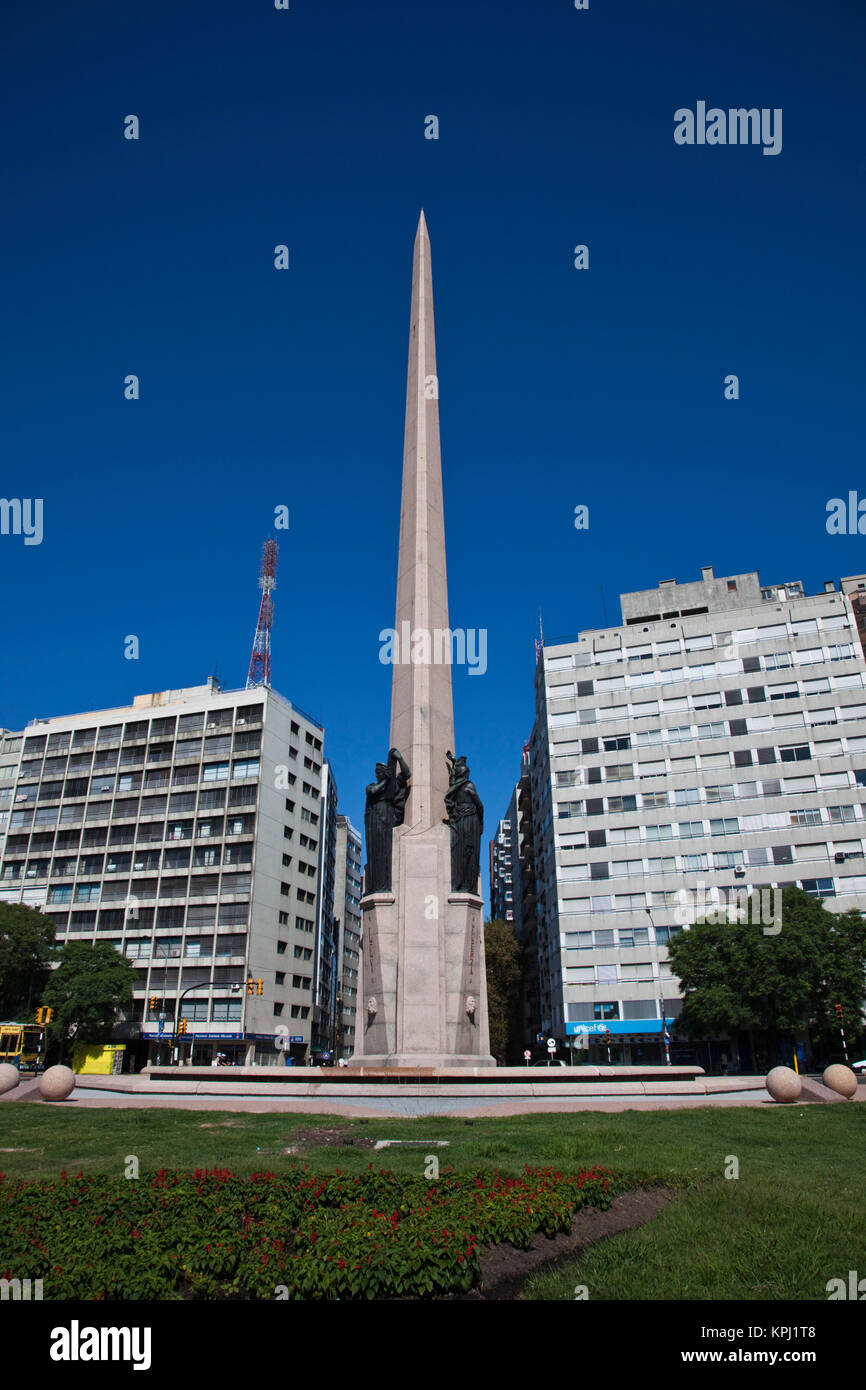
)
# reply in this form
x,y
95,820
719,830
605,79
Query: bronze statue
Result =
x,y
386,803
466,818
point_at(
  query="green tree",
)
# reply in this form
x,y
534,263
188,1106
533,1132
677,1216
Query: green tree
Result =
x,y
734,977
842,982
26,941
502,958
89,986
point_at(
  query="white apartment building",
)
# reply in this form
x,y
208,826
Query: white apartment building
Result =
x,y
717,737
502,875
184,830
348,881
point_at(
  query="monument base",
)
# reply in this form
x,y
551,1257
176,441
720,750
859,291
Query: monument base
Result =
x,y
423,1001
412,1061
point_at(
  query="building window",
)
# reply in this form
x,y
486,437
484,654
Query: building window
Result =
x,y
606,1011
226,1011
795,753
819,887
694,862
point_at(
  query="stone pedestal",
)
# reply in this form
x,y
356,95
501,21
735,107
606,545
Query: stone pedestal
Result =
x,y
423,1000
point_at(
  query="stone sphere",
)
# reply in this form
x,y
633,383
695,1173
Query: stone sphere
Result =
x,y
9,1077
841,1079
57,1083
784,1084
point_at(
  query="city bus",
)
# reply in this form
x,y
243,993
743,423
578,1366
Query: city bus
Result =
x,y
23,1044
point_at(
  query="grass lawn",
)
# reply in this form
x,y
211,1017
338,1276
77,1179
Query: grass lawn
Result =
x,y
792,1220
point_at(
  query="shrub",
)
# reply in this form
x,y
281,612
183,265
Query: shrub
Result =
x,y
211,1234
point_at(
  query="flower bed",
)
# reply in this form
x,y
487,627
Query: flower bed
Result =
x,y
210,1234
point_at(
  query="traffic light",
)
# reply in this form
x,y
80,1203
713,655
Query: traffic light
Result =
x,y
152,1002
838,1010
44,1015
260,989
182,1026
251,985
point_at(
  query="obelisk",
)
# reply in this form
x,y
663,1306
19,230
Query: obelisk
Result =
x,y
423,1001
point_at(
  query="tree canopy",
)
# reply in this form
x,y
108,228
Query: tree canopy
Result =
x,y
502,958
26,941
734,976
86,991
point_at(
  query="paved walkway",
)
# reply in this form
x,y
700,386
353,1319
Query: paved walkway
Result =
x,y
384,1107
418,1097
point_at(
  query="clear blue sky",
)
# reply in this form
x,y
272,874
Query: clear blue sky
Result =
x,y
558,386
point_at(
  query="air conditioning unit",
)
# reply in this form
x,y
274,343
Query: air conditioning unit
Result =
x,y
839,857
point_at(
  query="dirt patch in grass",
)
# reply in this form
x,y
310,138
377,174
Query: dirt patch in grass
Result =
x,y
325,1137
224,1124
504,1270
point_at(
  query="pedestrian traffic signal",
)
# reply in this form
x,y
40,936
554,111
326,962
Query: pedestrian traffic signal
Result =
x,y
260,989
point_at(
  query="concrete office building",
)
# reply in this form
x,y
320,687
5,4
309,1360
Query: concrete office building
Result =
x,y
717,737
348,882
185,830
327,928
502,866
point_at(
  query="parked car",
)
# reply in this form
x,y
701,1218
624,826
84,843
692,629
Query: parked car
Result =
x,y
859,1066
549,1062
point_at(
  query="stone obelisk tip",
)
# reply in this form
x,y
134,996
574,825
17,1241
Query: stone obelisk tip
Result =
x,y
422,721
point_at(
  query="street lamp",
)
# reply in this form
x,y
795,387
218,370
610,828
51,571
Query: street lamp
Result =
x,y
666,1037
236,987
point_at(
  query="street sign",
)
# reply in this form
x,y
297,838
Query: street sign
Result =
x,y
527,1056
539,1037
296,1038
326,1056
161,1026
551,1044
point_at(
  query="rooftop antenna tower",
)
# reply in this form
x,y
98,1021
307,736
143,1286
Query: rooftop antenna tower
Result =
x,y
260,660
539,641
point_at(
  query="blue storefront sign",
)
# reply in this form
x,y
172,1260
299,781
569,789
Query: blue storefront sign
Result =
x,y
635,1025
199,1037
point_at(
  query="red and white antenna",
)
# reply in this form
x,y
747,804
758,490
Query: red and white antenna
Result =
x,y
260,661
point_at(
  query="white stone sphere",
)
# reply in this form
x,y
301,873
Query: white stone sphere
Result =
x,y
9,1077
842,1079
57,1083
784,1085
